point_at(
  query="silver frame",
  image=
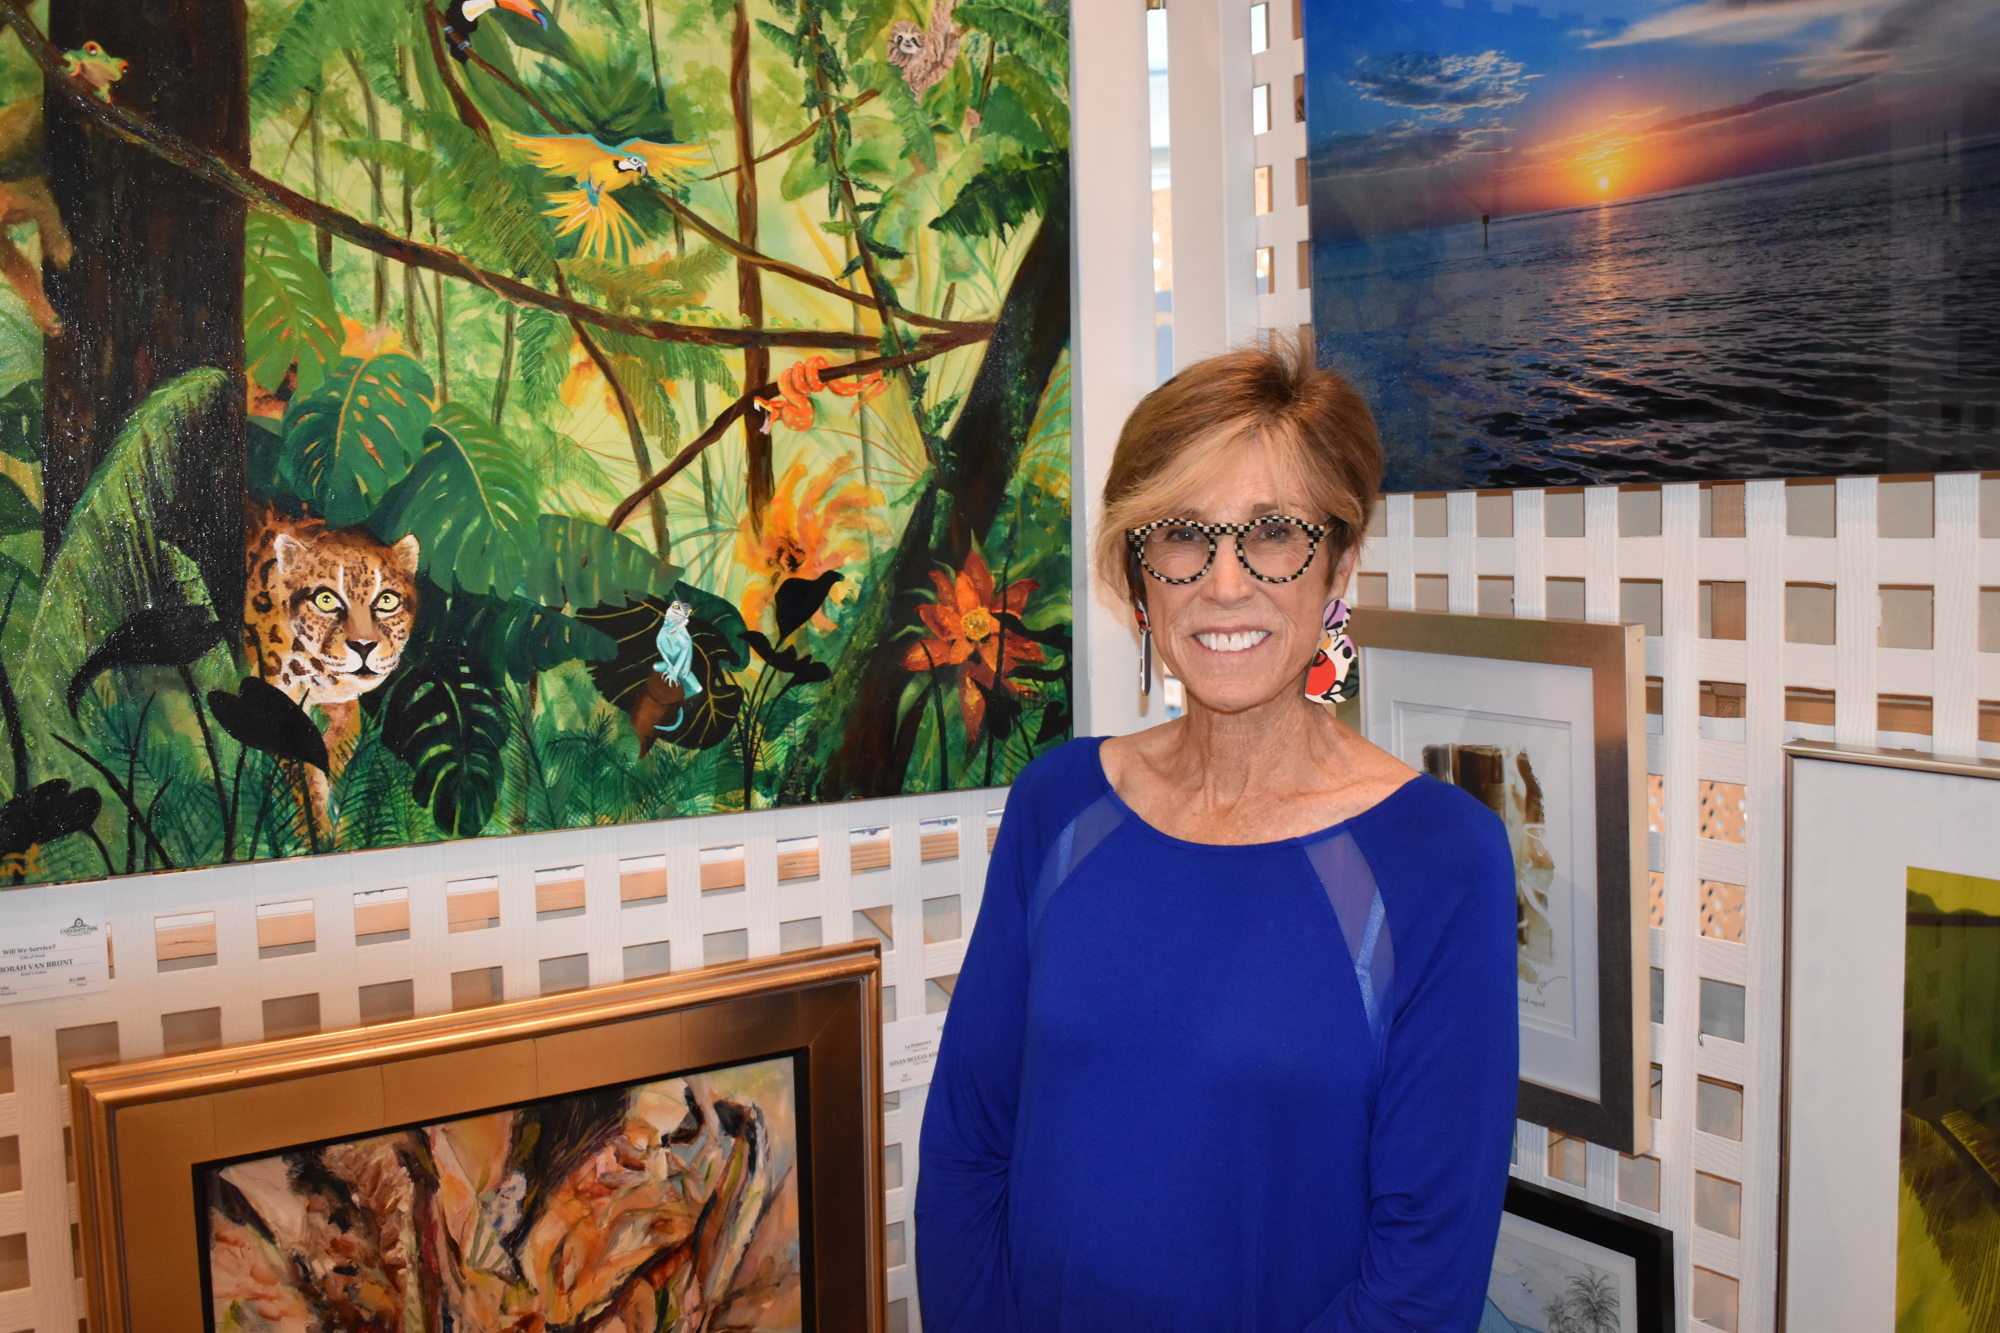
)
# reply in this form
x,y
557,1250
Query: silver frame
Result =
x,y
1915,761
1616,657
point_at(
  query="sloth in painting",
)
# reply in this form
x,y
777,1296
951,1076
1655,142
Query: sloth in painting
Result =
x,y
925,55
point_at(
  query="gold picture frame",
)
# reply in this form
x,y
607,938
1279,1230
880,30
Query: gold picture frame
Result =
x,y
148,1131
1584,686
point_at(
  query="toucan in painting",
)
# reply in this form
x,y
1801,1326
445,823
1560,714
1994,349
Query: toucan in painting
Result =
x,y
461,17
598,169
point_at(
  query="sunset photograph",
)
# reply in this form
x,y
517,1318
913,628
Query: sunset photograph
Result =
x,y
1670,242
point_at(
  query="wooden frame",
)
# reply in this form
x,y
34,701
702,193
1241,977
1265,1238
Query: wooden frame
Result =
x,y
146,1131
1611,845
1865,830
1649,1248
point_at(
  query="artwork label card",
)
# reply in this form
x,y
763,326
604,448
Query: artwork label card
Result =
x,y
55,958
909,1051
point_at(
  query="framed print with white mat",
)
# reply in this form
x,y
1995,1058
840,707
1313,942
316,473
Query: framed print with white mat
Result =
x,y
1889,1211
1543,721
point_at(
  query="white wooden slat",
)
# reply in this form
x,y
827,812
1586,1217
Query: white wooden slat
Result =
x,y
1722,761
1909,559
1722,558
1397,551
1431,555
1857,606
1495,555
1600,541
1566,557
1811,559
1529,542
1462,551
1642,557
1680,730
1721,659
1955,615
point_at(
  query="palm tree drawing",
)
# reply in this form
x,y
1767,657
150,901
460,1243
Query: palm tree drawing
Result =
x,y
1591,1302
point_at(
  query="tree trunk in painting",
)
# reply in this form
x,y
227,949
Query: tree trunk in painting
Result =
x,y
759,480
156,285
871,758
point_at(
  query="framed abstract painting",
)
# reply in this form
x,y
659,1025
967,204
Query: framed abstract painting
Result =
x,y
424,420
1659,240
700,1151
1543,721
1566,1266
1890,1200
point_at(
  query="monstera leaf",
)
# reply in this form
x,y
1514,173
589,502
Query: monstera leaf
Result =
x,y
519,638
470,501
157,636
45,813
358,435
445,720
289,312
263,717
581,563
626,679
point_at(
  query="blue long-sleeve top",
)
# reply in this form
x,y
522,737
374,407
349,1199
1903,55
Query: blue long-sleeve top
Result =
x,y
1193,1087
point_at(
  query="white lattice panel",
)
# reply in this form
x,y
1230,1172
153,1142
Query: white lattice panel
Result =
x,y
1687,749
926,863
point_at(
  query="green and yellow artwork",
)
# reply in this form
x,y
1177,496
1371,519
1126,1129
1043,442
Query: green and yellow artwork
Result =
x,y
428,420
1948,1233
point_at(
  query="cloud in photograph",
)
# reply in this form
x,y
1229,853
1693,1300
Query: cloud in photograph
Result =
x,y
1440,87
1400,146
1733,21
1761,102
1611,144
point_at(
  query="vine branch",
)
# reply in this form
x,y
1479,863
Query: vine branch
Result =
x,y
935,345
783,148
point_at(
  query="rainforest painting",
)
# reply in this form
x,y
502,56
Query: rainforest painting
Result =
x,y
430,420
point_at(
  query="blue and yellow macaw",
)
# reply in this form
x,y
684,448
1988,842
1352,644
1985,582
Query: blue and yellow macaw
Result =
x,y
598,169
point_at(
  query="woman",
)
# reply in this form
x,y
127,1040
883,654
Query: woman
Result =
x,y
1233,1047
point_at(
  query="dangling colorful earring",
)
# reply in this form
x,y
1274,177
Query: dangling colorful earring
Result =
x,y
1145,654
1335,674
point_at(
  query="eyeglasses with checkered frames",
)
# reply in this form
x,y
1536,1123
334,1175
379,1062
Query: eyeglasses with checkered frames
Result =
x,y
1135,540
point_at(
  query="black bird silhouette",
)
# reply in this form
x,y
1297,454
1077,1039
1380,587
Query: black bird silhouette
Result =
x,y
798,599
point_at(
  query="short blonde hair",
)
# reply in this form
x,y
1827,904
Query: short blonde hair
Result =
x,y
1315,429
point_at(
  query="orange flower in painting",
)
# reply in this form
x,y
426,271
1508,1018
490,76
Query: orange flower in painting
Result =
x,y
360,340
967,633
586,381
805,535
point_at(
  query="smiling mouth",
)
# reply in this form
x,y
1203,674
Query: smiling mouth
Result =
x,y
1240,641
